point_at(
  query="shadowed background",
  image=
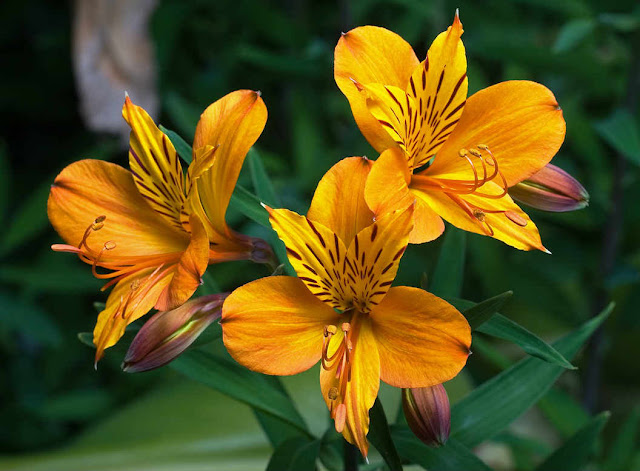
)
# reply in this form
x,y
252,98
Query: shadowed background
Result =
x,y
65,69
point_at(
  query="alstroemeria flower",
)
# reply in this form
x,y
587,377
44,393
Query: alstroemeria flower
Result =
x,y
482,145
153,230
342,310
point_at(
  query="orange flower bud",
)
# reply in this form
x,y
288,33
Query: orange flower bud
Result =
x,y
167,334
551,189
428,413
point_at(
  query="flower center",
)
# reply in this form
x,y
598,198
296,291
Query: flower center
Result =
x,y
485,169
121,267
341,361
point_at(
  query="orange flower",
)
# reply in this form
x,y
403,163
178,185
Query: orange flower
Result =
x,y
153,228
342,309
417,111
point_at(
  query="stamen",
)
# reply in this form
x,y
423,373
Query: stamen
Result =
x,y
333,393
479,215
516,218
341,417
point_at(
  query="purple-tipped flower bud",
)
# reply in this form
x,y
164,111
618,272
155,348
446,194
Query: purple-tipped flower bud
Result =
x,y
167,334
551,189
428,413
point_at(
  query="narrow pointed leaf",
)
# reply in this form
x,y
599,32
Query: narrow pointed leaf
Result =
x,y
625,444
241,384
477,314
295,454
380,437
563,411
261,182
575,452
620,130
503,328
448,274
182,148
496,403
453,456
249,205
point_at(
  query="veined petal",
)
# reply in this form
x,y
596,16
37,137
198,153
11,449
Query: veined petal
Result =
x,y
189,269
275,326
155,165
519,121
500,218
366,55
387,190
362,389
233,124
439,90
88,189
422,339
316,253
373,258
338,202
129,300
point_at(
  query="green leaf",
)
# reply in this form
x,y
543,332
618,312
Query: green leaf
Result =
x,y
490,353
238,382
448,274
503,328
249,205
380,437
295,454
261,181
622,22
21,315
496,403
453,456
625,444
29,220
276,430
182,148
477,314
573,33
565,413
620,130
574,454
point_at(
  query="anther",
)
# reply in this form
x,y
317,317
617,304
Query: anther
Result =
x,y
479,215
462,152
329,330
333,393
135,284
475,152
346,327
516,218
99,219
97,226
341,417
482,147
109,245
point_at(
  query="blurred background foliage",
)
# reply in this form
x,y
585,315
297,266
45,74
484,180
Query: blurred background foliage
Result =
x,y
586,52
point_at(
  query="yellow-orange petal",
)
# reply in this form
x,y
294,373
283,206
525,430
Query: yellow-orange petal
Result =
x,y
187,274
510,224
519,121
370,54
155,165
387,190
439,90
275,325
361,391
338,202
88,189
374,256
233,124
316,253
422,340
129,300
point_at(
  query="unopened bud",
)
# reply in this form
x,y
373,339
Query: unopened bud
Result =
x,y
261,251
168,333
551,189
428,413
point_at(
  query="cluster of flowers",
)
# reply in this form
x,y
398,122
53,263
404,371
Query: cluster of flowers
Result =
x,y
153,230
